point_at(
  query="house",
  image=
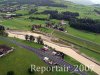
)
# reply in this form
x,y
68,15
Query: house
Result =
x,y
5,50
9,16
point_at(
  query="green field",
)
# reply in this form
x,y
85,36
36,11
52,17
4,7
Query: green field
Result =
x,y
16,24
20,60
25,24
39,16
20,23
83,34
89,53
78,41
23,12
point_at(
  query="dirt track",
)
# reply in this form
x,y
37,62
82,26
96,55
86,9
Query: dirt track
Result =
x,y
68,51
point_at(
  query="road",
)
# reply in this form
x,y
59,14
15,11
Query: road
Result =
x,y
68,51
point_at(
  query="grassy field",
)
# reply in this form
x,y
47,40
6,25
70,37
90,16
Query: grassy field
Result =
x,y
23,12
16,23
20,23
93,55
46,30
86,35
77,41
84,11
21,59
39,16
18,61
25,24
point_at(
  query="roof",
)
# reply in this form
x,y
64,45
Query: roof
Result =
x,y
4,48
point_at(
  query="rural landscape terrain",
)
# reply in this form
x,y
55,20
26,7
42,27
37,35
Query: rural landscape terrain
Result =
x,y
49,33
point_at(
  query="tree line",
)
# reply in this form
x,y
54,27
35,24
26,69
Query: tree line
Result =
x,y
85,24
31,38
61,16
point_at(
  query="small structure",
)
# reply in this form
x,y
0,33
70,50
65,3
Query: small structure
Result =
x,y
63,22
10,15
5,50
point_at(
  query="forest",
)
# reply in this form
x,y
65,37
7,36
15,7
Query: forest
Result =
x,y
61,16
86,24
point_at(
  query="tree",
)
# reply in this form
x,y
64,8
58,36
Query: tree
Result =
x,y
86,24
31,38
39,40
10,73
33,28
63,55
60,16
2,31
26,37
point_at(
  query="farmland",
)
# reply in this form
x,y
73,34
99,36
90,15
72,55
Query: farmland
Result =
x,y
30,15
24,23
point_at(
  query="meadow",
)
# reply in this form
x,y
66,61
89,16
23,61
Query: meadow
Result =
x,y
73,35
21,59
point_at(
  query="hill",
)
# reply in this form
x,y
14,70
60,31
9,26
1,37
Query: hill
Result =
x,y
36,2
83,2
